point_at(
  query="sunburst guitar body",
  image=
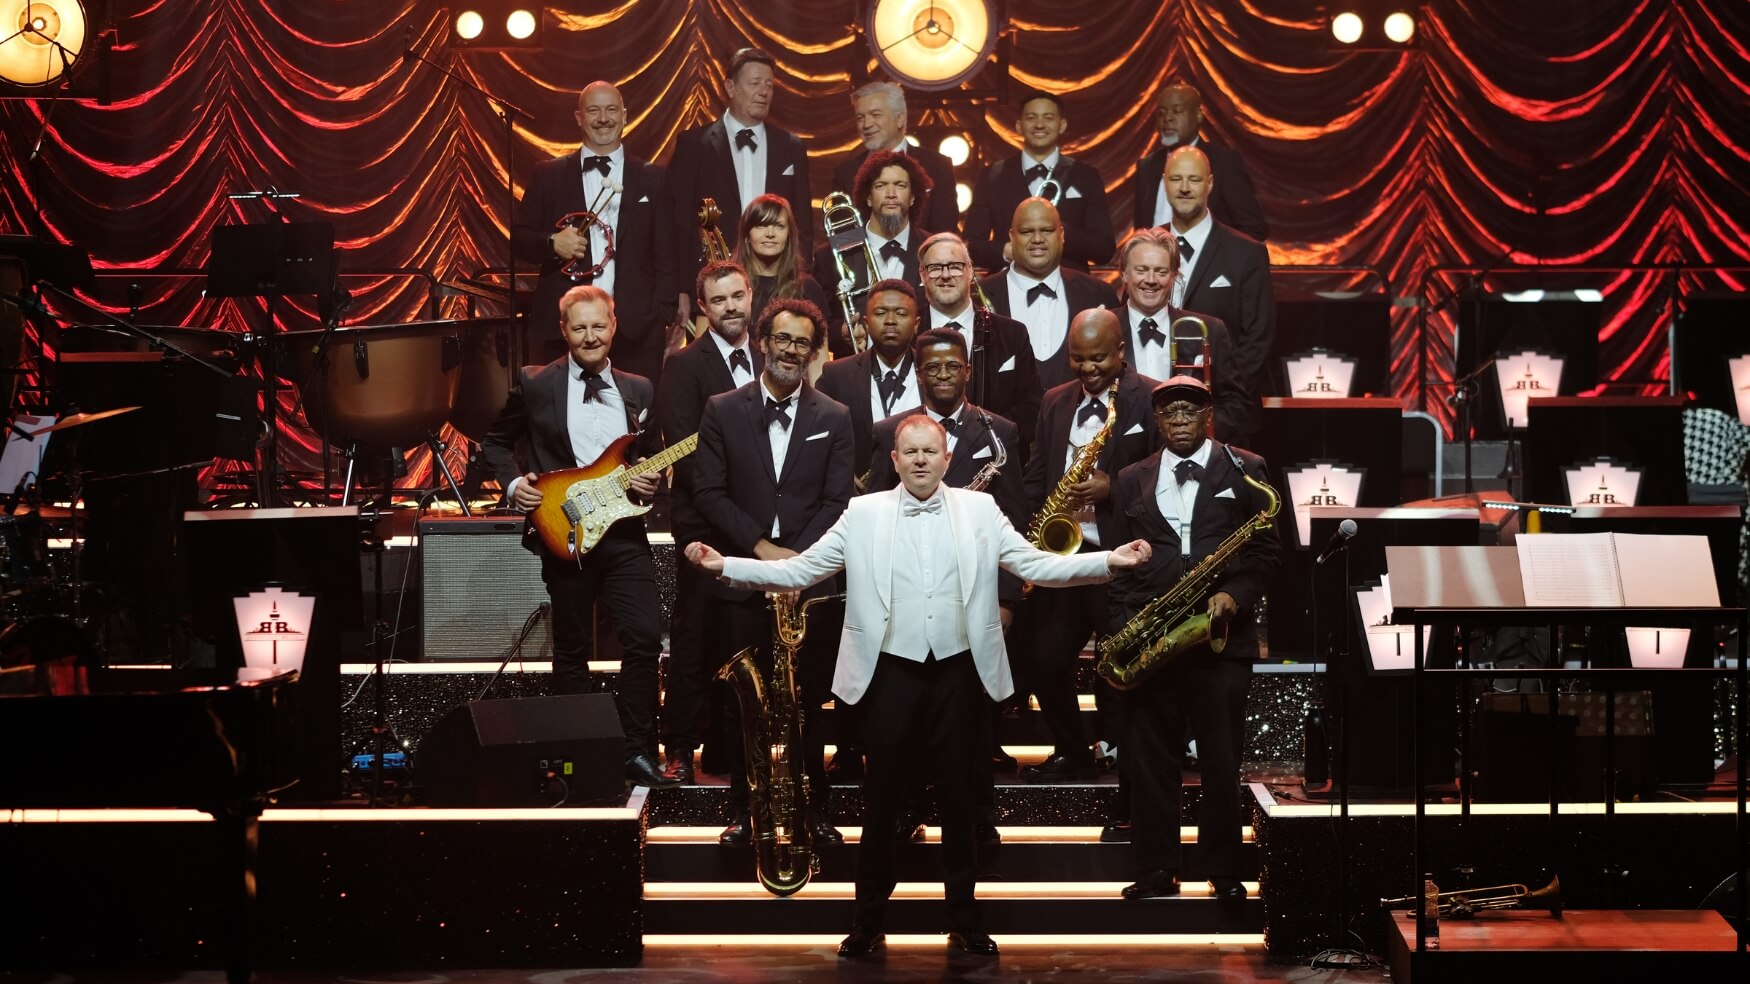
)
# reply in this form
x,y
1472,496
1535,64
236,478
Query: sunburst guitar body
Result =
x,y
578,505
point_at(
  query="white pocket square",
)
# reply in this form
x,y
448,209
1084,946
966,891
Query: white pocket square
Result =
x,y
1005,367
1220,281
644,415
643,199
816,437
1072,193
789,170
1224,494
1135,428
981,453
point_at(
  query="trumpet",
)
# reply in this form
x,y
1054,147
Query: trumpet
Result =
x,y
1466,903
851,258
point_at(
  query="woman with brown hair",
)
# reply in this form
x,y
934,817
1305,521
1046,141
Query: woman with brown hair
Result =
x,y
771,253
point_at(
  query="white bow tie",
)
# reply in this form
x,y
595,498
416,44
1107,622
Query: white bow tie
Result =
x,y
910,506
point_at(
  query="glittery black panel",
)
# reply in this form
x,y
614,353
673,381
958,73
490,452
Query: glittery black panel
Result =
x,y
1017,804
1276,717
355,894
417,700
1666,862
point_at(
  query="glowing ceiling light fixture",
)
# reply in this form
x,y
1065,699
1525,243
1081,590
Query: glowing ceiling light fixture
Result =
x,y
1346,27
1400,27
520,24
956,148
470,25
40,41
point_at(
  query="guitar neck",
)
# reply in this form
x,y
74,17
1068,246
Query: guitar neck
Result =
x,y
658,462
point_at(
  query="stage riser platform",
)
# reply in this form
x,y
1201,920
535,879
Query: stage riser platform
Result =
x,y
1668,861
1017,862
1016,803
401,893
1001,916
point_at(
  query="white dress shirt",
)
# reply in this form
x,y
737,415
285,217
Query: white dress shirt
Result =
x,y
926,585
1177,502
1081,432
778,433
1154,359
608,211
1197,236
962,322
959,418
888,266
1047,318
750,166
1051,161
741,376
592,425
908,395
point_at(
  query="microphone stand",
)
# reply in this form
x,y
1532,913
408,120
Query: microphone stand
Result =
x,y
1464,394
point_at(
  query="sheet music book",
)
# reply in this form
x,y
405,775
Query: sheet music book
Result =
x,y
1616,570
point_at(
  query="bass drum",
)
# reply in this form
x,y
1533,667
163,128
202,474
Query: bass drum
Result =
x,y
487,374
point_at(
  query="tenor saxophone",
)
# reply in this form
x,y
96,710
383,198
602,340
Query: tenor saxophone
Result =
x,y
771,733
988,473
1054,528
1165,627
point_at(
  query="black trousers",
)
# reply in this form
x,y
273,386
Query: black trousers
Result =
x,y
1062,620
922,715
1209,693
620,573
732,626
689,676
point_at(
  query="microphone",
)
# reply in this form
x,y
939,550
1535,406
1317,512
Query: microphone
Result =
x,y
1339,541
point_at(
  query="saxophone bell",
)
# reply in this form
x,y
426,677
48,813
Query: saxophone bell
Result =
x,y
1055,528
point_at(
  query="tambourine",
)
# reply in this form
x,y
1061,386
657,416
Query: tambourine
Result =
x,y
581,221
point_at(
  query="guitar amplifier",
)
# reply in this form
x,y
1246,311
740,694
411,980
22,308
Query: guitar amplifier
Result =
x,y
478,587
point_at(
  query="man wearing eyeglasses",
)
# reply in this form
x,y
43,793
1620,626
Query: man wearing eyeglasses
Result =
x,y
773,473
1185,500
1004,378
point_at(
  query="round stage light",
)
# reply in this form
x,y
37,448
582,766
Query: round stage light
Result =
x,y
956,148
1400,27
963,196
1346,27
39,41
470,25
520,24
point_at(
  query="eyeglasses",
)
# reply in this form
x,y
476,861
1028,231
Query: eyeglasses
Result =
x,y
937,269
942,370
1172,414
790,342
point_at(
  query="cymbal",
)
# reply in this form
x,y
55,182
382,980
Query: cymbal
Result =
x,y
78,420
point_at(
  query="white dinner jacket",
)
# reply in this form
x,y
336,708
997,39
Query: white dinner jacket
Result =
x,y
861,544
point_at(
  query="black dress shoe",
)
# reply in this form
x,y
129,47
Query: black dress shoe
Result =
x,y
846,767
1002,761
1154,885
824,834
988,835
974,942
909,826
643,770
680,766
737,834
1117,832
1060,768
862,942
1227,888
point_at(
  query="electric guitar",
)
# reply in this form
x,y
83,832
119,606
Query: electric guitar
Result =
x,y
579,504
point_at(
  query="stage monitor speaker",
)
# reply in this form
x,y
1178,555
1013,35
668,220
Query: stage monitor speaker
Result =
x,y
531,751
478,586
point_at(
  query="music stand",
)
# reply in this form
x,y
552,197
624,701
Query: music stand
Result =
x,y
270,261
1358,327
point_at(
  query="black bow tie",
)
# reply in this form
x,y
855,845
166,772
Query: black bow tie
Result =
x,y
892,250
1093,411
738,360
1185,249
1151,332
889,386
1037,171
1034,292
745,139
950,424
602,164
778,410
593,384
952,326
1188,471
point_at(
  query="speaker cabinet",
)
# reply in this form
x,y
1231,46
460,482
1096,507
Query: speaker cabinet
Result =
x,y
532,752
479,586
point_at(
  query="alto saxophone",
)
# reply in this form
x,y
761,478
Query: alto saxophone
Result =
x,y
771,733
1165,627
1054,528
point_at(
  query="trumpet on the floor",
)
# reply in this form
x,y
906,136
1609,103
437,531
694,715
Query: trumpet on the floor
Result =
x,y
1466,903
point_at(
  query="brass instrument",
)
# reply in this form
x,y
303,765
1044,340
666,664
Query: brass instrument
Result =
x,y
1200,368
1166,627
771,733
988,473
1054,528
850,254
1466,903
1050,188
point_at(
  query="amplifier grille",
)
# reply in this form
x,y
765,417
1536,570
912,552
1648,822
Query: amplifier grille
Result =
x,y
479,586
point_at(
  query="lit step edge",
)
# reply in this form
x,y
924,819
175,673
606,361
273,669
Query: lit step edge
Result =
x,y
932,835
1128,941
988,891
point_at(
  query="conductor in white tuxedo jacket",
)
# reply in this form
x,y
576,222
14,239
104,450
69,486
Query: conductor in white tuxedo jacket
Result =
x,y
921,651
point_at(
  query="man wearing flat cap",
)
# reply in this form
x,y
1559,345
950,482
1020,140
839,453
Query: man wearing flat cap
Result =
x,y
1184,500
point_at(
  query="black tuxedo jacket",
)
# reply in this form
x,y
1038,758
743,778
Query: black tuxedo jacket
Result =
x,y
1235,407
1005,378
702,167
1084,292
941,212
826,274
1233,201
531,433
644,282
1087,219
736,490
850,380
1224,502
1134,437
689,378
1243,300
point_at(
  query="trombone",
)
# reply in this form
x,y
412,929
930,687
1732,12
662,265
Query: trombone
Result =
x,y
1466,903
1197,337
850,255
